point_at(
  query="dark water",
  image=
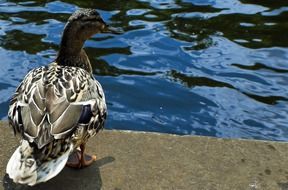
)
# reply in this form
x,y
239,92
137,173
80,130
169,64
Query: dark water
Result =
x,y
204,67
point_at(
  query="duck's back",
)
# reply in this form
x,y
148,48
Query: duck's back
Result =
x,y
53,108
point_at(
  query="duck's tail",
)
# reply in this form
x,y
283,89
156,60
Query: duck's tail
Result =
x,y
23,168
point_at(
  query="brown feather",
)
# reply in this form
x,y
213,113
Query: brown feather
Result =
x,y
51,100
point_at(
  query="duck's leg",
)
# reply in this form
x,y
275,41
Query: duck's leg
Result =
x,y
74,159
86,160
78,159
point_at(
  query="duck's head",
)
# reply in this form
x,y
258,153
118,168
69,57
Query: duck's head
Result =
x,y
81,25
87,22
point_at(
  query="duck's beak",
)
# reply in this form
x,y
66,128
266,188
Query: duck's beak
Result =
x,y
112,30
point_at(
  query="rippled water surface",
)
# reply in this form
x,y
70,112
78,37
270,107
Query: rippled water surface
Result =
x,y
204,67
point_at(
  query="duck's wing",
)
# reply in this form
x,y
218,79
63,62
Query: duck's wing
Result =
x,y
53,101
53,109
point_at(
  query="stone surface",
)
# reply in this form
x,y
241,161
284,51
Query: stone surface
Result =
x,y
131,160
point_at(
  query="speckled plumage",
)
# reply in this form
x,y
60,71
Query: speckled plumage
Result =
x,y
47,107
49,101
89,13
55,109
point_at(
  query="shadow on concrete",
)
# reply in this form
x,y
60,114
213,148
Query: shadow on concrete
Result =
x,y
69,179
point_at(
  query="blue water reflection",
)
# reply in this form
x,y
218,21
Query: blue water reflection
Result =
x,y
201,67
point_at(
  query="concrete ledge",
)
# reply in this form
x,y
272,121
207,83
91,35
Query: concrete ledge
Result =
x,y
131,160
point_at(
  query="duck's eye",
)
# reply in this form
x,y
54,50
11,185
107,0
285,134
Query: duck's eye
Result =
x,y
85,115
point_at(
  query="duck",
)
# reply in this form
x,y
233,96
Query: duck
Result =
x,y
58,107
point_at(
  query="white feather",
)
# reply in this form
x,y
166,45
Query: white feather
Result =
x,y
54,167
20,168
23,169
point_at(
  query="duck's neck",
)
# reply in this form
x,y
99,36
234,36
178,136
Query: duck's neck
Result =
x,y
71,52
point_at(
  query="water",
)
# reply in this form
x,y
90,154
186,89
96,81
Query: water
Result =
x,y
200,67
